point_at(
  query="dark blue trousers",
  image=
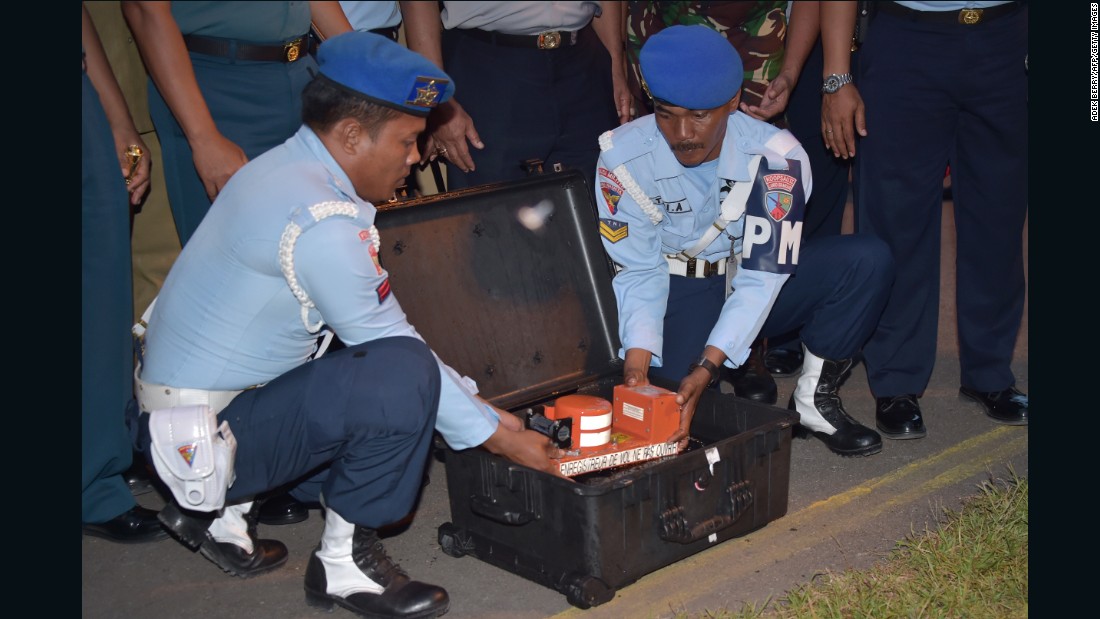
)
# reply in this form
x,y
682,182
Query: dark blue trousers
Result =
x,y
354,425
107,309
939,94
825,208
256,105
531,103
833,301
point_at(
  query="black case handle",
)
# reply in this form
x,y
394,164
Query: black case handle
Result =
x,y
675,527
488,508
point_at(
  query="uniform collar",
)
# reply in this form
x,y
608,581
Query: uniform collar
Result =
x,y
733,161
311,142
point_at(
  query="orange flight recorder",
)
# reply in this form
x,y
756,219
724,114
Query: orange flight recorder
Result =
x,y
598,435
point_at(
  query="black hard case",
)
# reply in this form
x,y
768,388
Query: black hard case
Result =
x,y
524,306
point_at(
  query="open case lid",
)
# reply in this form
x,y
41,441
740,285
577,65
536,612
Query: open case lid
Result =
x,y
508,283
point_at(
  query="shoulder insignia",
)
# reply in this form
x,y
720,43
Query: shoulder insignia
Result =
x,y
614,230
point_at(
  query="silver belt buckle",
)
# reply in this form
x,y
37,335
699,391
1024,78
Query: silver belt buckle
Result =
x,y
549,40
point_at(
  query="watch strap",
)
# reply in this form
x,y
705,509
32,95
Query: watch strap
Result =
x,y
707,365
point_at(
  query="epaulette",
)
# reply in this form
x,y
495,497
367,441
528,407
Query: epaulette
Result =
x,y
617,148
626,143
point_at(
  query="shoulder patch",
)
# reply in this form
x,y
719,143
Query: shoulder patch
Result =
x,y
611,195
383,290
614,230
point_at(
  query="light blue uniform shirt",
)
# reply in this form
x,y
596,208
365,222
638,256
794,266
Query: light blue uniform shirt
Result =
x,y
226,318
262,22
641,286
948,6
519,17
372,14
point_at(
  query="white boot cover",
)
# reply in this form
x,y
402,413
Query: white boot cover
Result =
x,y
342,576
804,394
231,527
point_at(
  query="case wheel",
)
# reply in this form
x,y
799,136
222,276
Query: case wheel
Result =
x,y
453,541
587,591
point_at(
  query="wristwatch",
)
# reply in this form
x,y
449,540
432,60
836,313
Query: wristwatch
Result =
x,y
834,82
707,365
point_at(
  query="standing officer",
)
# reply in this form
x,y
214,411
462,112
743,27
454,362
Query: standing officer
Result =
x,y
537,82
225,86
109,185
940,83
290,244
701,207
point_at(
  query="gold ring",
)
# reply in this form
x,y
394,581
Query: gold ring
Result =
x,y
828,131
133,156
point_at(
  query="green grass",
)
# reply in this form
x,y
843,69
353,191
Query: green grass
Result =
x,y
973,564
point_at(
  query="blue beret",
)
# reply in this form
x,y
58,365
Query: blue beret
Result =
x,y
692,67
384,72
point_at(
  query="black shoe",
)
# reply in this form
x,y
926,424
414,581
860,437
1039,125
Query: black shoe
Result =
x,y
282,509
783,361
899,417
133,526
752,380
401,597
138,477
192,528
1008,406
851,438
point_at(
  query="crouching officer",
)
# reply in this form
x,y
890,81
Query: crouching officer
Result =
x,y
289,245
701,208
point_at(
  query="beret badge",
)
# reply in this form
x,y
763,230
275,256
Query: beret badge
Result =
x,y
425,92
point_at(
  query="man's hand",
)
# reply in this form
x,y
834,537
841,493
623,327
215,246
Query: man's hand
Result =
x,y
525,447
216,160
137,176
636,367
774,101
842,116
687,396
450,128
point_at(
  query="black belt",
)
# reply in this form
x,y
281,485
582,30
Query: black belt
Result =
x,y
966,17
551,39
389,33
239,50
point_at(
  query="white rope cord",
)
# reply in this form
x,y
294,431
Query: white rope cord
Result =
x,y
290,239
631,186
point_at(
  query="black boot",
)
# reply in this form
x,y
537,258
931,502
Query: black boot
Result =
x,y
351,568
198,531
752,380
281,508
822,413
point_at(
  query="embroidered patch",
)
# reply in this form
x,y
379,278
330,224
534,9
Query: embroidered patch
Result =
x,y
609,175
383,291
780,181
778,204
611,196
374,258
614,231
187,452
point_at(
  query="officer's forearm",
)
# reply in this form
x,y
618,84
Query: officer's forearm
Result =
x,y
162,48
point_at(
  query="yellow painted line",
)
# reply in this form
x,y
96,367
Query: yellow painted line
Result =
x,y
718,567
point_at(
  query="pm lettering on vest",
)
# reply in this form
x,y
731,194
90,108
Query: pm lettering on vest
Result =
x,y
773,220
